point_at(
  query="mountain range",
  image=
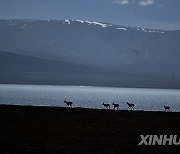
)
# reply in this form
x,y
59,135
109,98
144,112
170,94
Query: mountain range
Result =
x,y
82,52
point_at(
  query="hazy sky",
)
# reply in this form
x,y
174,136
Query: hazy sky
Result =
x,y
161,14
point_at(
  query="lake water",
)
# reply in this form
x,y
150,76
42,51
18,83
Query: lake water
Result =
x,y
89,97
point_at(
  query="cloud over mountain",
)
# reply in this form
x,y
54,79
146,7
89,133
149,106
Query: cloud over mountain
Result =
x,y
121,2
146,2
140,2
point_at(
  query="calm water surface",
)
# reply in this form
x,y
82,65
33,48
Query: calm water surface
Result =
x,y
90,97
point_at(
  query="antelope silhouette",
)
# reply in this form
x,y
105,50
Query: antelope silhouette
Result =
x,y
106,105
68,103
115,105
167,108
131,106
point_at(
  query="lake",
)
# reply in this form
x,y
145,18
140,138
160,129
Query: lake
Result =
x,y
90,97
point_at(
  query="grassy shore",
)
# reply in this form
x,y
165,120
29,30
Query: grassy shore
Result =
x,y
31,129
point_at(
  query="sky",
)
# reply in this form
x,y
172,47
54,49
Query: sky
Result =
x,y
156,14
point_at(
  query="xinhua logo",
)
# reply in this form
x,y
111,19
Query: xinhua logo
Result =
x,y
159,140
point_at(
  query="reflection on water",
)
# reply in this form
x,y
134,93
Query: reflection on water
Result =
x,y
91,97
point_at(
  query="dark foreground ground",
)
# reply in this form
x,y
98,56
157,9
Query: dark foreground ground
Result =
x,y
65,130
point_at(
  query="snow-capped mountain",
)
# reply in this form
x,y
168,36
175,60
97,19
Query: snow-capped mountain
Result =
x,y
146,54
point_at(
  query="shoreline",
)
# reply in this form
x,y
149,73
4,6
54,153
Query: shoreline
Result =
x,y
86,108
100,86
90,85
45,129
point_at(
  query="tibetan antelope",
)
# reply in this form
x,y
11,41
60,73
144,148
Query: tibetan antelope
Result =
x,y
68,103
106,105
167,108
115,105
131,106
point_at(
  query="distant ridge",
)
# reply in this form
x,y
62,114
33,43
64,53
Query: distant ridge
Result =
x,y
123,56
